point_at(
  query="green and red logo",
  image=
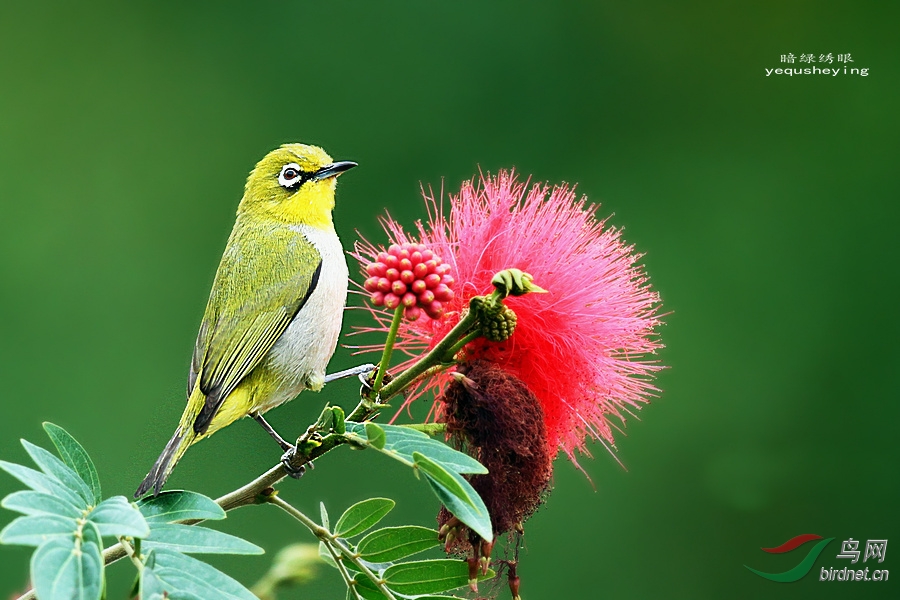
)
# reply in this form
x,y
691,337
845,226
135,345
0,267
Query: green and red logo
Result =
x,y
805,565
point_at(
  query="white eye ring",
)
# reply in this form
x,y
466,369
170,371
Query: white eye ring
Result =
x,y
290,175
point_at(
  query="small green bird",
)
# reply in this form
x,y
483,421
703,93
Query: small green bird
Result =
x,y
275,310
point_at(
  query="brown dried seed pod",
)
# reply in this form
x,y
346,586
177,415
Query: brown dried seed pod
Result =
x,y
494,417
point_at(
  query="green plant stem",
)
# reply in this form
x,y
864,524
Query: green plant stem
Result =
x,y
339,563
461,344
388,348
432,359
126,547
427,428
329,539
431,371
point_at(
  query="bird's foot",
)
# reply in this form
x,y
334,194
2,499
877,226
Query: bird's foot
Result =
x,y
360,370
287,461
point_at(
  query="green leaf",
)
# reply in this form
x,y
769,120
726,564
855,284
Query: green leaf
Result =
x,y
43,483
339,426
369,591
401,442
366,588
117,516
392,430
393,543
29,502
375,435
405,441
68,568
476,518
75,456
34,531
428,576
362,515
457,495
187,578
440,452
444,476
178,505
325,422
169,584
324,514
152,586
57,469
197,540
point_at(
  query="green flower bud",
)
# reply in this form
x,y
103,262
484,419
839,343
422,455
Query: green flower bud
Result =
x,y
513,282
497,320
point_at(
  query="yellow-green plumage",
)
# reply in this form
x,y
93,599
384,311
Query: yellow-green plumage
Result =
x,y
274,313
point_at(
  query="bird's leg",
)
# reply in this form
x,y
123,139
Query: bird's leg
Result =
x,y
289,449
361,369
268,428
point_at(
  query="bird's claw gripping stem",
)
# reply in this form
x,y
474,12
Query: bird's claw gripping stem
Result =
x,y
360,370
287,461
296,458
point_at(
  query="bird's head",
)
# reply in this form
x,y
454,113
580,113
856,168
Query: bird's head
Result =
x,y
294,184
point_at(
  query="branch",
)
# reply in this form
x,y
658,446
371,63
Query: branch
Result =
x,y
312,445
252,493
333,542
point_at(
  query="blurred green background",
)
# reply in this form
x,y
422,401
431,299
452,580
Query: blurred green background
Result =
x,y
767,208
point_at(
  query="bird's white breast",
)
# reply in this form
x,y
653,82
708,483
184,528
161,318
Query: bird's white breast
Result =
x,y
302,352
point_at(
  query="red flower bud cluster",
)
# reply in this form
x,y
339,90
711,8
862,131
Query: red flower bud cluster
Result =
x,y
411,275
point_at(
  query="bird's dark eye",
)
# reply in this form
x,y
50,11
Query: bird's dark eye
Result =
x,y
290,175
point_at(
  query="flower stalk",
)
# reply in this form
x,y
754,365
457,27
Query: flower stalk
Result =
x,y
437,356
388,348
470,337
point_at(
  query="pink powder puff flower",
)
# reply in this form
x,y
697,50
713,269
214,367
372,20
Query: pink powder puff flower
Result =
x,y
582,347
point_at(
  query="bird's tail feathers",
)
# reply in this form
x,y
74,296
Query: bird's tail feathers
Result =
x,y
163,466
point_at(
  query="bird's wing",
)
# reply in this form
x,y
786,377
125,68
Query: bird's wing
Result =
x,y
256,294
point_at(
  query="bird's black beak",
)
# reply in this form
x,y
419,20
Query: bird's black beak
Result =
x,y
333,170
